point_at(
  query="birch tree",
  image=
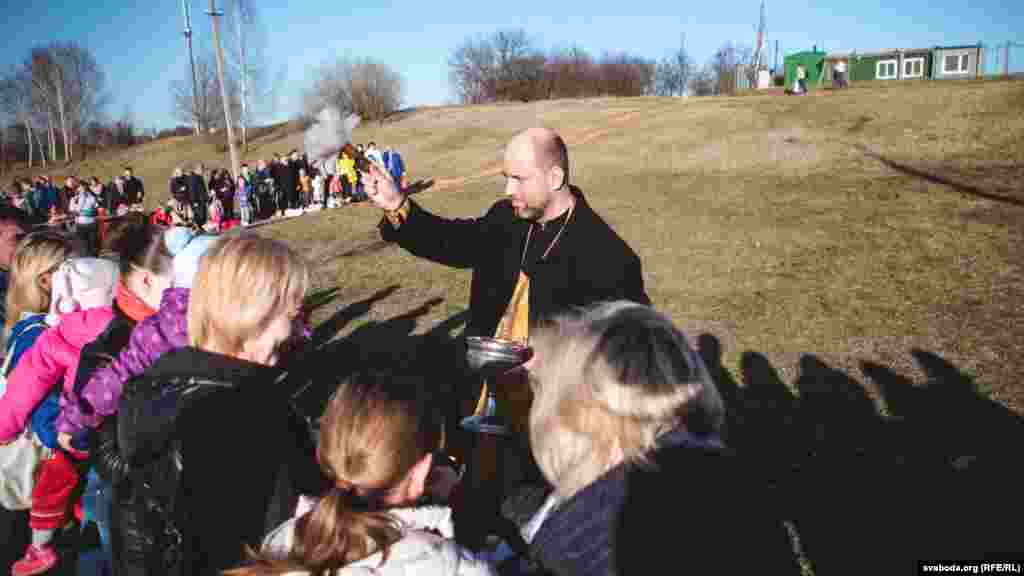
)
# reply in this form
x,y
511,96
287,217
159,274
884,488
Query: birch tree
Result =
x,y
245,52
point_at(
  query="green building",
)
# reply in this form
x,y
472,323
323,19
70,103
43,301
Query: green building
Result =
x,y
813,61
909,64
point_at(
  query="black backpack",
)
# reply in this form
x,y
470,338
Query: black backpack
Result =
x,y
155,478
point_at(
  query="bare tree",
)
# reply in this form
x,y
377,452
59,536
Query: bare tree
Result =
x,y
69,88
573,72
210,113
376,89
365,87
503,66
16,101
123,130
48,86
85,86
331,88
621,74
674,72
472,71
724,66
245,50
508,66
702,81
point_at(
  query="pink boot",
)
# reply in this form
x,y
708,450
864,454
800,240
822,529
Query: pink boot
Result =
x,y
36,561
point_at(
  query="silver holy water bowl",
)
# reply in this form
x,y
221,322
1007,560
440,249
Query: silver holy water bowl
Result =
x,y
492,357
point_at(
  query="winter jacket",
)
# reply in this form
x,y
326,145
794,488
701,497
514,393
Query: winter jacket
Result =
x,y
102,444
700,491
179,189
395,165
161,217
347,166
134,191
153,337
5,278
244,190
238,479
197,193
53,357
24,335
420,551
85,206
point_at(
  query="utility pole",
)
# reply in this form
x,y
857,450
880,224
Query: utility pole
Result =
x,y
187,11
244,66
223,89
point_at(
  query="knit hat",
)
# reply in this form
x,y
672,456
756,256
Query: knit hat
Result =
x,y
186,263
177,238
81,284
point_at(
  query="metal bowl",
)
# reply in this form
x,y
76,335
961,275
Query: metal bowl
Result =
x,y
491,357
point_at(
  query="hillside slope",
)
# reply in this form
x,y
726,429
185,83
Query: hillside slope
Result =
x,y
855,226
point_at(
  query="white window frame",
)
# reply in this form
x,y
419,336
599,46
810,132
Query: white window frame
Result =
x,y
963,63
895,67
911,61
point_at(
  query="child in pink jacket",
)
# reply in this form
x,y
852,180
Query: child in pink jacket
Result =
x,y
80,309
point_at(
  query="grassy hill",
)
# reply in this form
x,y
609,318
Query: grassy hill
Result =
x,y
853,225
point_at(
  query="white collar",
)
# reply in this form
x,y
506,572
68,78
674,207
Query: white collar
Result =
x,y
437,518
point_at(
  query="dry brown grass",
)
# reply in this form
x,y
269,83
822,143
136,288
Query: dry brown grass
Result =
x,y
768,221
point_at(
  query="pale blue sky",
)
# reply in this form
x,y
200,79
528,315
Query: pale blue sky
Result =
x,y
141,47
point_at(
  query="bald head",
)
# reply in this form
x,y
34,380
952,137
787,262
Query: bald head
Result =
x,y
537,175
547,149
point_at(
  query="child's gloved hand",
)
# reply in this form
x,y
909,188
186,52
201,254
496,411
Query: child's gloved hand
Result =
x,y
77,445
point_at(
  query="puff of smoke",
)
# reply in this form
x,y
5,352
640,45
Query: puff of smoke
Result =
x,y
328,133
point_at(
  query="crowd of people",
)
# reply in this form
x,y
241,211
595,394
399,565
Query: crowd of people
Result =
x,y
81,206
287,185
158,399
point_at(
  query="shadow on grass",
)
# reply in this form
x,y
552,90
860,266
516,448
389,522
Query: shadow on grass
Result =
x,y
360,250
328,329
320,299
387,344
957,185
922,482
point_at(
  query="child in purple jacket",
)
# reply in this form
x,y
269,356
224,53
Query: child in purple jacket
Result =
x,y
153,337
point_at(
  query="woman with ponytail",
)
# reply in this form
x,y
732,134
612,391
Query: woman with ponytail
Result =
x,y
376,446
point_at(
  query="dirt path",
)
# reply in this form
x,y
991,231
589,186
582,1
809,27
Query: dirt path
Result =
x,y
572,138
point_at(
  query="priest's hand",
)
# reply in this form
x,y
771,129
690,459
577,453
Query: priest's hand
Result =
x,y
381,188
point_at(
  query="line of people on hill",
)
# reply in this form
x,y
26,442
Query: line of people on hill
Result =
x,y
41,198
81,206
287,185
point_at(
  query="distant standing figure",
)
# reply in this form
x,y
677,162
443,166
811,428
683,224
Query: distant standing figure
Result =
x,y
801,79
395,165
85,207
198,195
839,74
135,192
179,186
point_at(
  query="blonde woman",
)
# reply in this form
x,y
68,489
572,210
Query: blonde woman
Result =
x,y
32,264
376,442
36,258
208,429
625,424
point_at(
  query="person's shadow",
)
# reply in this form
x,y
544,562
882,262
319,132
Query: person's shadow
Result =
x,y
390,344
873,492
